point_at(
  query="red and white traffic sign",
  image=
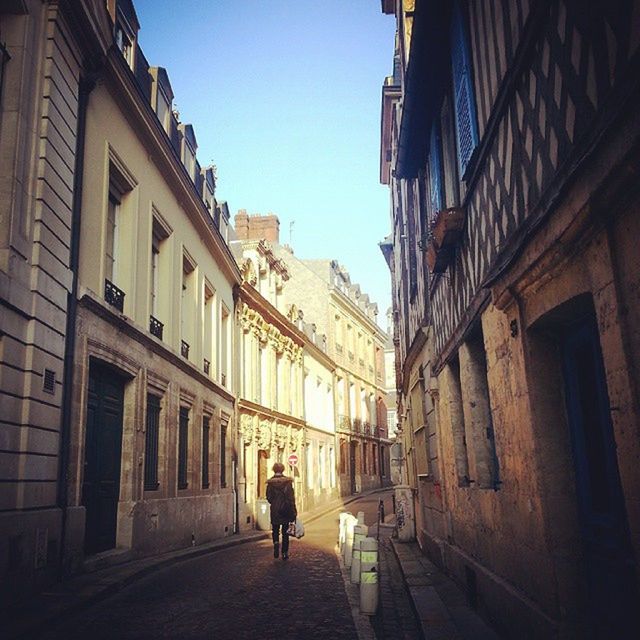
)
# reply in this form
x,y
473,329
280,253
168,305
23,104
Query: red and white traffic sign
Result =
x,y
293,460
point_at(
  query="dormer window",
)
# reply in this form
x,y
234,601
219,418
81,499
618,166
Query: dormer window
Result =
x,y
163,109
125,39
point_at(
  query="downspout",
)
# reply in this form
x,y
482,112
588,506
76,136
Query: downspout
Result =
x,y
86,86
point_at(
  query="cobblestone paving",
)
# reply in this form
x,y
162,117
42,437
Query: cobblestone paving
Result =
x,y
241,593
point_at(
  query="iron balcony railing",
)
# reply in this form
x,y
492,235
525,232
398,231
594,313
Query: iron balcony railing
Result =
x,y
155,327
113,295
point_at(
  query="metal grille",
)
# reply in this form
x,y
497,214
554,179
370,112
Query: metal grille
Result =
x,y
205,451
156,327
151,443
183,443
113,295
223,456
49,381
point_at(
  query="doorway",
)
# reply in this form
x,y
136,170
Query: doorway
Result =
x,y
263,472
103,453
609,564
352,465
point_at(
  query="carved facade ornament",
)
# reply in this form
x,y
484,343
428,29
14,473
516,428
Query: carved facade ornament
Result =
x,y
246,428
249,272
281,435
263,435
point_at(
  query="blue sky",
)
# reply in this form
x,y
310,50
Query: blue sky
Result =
x,y
284,97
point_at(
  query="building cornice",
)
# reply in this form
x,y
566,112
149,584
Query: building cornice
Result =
x,y
146,125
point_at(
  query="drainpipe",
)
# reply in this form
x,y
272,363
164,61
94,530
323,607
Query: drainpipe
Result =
x,y
87,84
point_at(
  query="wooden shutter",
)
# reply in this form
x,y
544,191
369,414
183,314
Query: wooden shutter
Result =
x,y
465,106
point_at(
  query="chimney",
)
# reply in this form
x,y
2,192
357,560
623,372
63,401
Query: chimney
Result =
x,y
257,227
241,223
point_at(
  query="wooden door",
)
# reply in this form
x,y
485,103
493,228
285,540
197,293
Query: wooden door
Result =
x,y
103,449
612,589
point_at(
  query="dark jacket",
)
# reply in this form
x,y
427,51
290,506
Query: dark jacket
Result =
x,y
282,500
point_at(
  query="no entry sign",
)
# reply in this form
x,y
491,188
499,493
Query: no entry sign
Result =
x,y
293,460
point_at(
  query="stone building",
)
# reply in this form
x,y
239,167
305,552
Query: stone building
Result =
x,y
511,145
354,342
286,403
270,386
117,295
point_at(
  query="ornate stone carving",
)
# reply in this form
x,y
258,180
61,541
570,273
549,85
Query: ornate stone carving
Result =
x,y
263,435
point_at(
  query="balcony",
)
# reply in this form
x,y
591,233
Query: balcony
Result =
x,y
356,425
114,296
155,327
184,349
206,366
366,428
446,230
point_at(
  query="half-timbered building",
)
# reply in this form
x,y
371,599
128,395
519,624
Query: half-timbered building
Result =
x,y
511,144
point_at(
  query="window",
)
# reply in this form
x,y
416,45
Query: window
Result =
x,y
113,207
205,451
365,453
209,318
116,233
124,43
435,171
223,455
332,467
456,417
464,104
163,109
477,411
183,443
224,346
159,233
187,307
151,443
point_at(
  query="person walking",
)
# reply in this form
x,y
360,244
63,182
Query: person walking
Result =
x,y
283,508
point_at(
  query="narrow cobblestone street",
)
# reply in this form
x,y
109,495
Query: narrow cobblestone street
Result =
x,y
243,592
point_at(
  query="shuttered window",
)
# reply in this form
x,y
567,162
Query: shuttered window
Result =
x,y
465,105
151,443
223,456
205,452
183,443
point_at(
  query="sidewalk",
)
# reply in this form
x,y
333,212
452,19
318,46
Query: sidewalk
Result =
x,y
24,619
441,607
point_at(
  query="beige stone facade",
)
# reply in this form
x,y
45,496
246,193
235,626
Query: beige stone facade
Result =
x,y
117,297
44,65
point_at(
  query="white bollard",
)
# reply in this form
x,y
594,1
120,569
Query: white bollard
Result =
x,y
360,517
369,576
343,530
348,541
360,532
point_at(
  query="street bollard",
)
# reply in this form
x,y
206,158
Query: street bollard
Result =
x,y
369,576
360,517
343,530
348,541
360,532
